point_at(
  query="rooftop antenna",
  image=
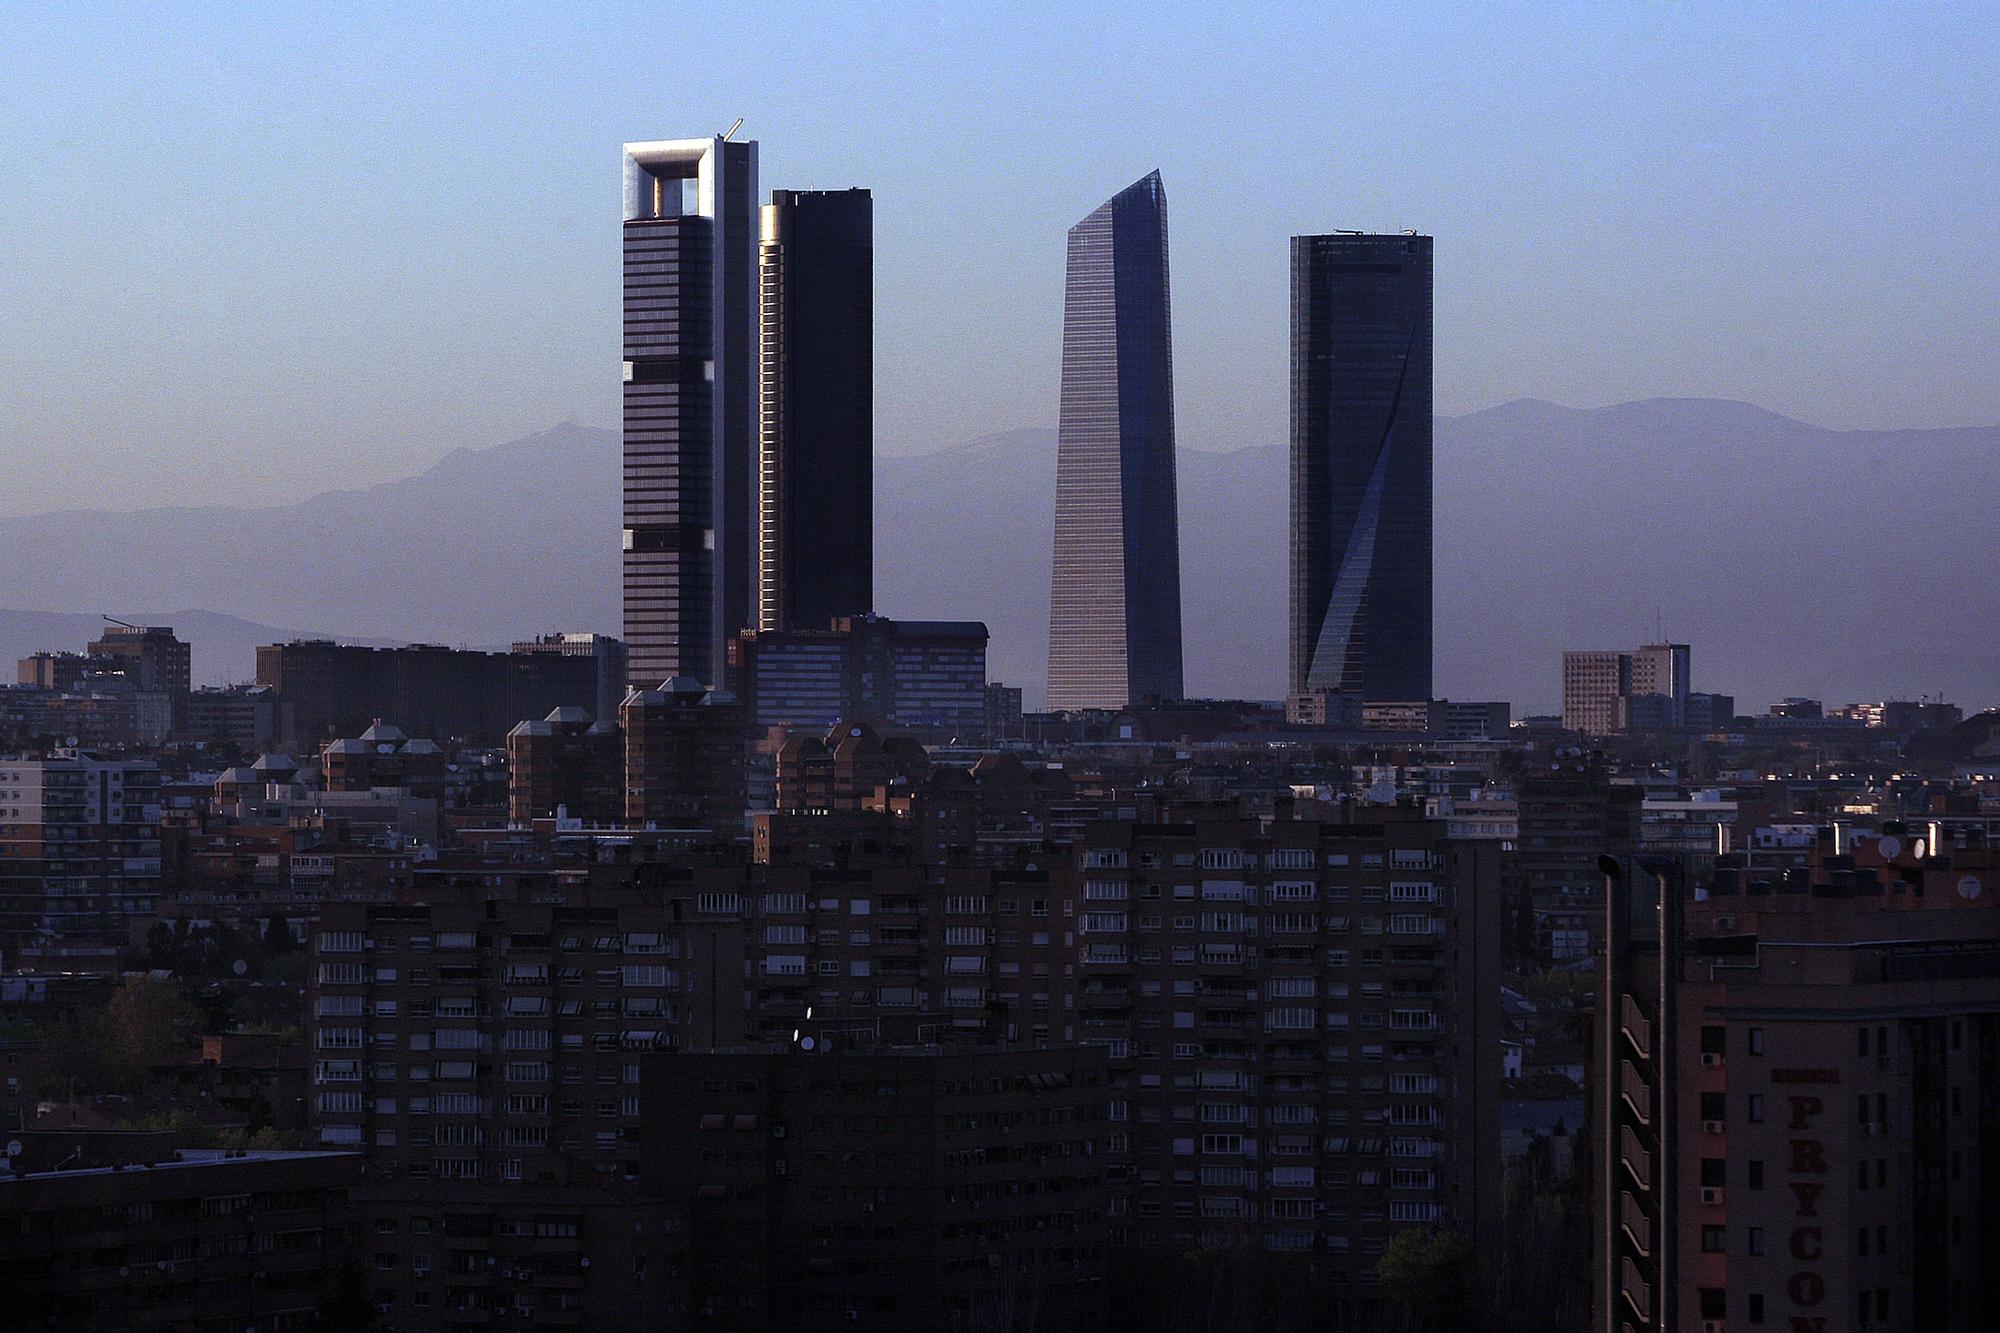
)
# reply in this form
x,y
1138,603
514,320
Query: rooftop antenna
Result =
x,y
126,623
731,131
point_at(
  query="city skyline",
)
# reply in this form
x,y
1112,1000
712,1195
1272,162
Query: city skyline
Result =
x,y
1658,131
1115,596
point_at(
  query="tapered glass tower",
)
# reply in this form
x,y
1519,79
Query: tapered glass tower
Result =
x,y
690,243
1361,465
1115,601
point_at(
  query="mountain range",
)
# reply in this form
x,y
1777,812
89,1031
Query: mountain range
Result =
x,y
1795,559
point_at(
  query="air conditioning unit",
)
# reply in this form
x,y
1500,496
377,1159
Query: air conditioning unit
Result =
x,y
1711,1059
1711,1194
1723,923
1711,1126
1711,1326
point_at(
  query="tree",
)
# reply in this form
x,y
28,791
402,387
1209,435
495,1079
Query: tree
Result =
x,y
150,1021
1428,1276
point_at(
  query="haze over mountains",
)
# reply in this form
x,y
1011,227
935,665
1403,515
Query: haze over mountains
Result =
x,y
1795,559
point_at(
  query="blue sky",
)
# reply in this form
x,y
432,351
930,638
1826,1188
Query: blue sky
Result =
x,y
251,252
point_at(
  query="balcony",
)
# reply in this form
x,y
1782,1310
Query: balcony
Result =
x,y
1638,1028
1635,1157
1635,1091
1638,1227
1635,1289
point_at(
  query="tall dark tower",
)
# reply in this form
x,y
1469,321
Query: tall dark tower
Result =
x,y
816,429
1361,465
1115,599
690,404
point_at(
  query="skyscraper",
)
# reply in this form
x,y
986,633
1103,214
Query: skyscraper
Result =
x,y
1115,600
690,240
1361,465
816,428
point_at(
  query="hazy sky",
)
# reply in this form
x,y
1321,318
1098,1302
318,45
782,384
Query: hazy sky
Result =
x,y
249,253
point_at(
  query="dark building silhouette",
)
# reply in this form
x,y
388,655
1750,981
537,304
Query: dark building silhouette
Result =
x,y
337,690
1115,599
690,245
1361,465
816,428
121,1230
885,1187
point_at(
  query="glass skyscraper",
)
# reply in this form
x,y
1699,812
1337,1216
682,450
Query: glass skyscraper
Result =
x,y
1115,600
690,251
816,557
1361,465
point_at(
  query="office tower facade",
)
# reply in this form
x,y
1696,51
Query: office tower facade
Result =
x,y
1115,598
1361,465
1637,691
816,418
909,673
607,652
690,403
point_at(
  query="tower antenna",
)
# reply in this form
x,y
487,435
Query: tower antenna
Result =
x,y
728,133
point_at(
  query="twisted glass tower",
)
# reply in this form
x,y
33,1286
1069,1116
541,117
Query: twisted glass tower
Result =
x,y
1361,465
1115,599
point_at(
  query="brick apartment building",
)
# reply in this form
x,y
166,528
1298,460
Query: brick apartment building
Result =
x,y
1798,1083
121,1231
1302,1024
890,1188
1299,1022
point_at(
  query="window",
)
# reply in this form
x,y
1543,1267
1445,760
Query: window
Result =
x,y
1756,1041
1756,1175
1712,1039
1713,1240
1754,1240
1756,1108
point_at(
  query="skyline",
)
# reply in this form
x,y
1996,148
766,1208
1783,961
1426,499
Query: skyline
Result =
x,y
300,346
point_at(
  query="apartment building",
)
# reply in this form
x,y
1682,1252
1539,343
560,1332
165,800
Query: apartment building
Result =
x,y
1798,1082
121,1231
79,849
1301,1023
885,1186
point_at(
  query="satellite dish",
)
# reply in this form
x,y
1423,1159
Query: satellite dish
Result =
x,y
239,967
1891,846
807,1044
1917,849
14,1145
1968,889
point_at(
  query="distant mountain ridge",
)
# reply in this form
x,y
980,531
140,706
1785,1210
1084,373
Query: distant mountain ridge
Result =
x,y
1796,559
